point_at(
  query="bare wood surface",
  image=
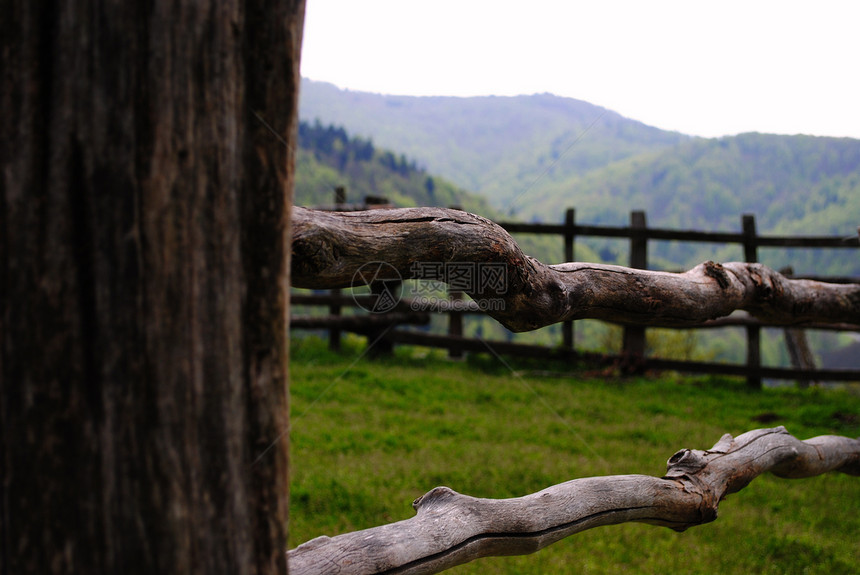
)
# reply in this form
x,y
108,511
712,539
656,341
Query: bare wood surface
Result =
x,y
144,272
450,528
330,247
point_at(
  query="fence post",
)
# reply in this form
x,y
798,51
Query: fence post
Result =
x,y
455,318
753,331
334,333
798,345
634,336
335,309
569,227
455,323
381,346
339,197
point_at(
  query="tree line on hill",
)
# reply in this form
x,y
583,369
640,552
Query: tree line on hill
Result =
x,y
329,157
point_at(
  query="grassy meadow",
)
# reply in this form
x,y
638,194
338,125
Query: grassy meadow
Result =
x,y
369,436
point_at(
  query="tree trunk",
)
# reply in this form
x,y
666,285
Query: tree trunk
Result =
x,y
144,232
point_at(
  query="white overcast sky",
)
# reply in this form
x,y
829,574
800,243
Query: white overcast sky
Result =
x,y
702,68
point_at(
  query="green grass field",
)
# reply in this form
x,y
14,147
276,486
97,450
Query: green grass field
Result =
x,y
369,436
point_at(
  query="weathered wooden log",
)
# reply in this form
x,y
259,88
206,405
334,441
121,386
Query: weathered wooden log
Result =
x,y
450,529
329,248
147,160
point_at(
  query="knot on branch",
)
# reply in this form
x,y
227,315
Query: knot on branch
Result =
x,y
434,497
717,272
724,445
686,462
313,254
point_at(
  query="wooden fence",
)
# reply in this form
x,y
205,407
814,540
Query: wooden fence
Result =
x,y
382,328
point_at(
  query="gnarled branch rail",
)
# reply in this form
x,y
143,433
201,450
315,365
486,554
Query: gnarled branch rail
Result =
x,y
450,529
329,248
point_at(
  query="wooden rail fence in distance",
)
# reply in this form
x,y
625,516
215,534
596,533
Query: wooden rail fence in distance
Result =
x,y
632,354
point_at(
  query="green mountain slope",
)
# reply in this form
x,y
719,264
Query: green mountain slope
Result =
x,y
500,147
797,185
787,181
534,156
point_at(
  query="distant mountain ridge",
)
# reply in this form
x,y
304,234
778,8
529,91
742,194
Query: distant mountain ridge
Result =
x,y
793,184
494,146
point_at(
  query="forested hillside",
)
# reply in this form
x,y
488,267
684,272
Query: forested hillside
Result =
x,y
329,157
795,185
534,156
792,183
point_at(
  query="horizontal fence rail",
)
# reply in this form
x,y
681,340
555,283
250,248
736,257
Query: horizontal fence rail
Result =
x,y
682,235
458,344
632,356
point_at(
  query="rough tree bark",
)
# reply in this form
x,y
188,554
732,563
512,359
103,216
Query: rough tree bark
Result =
x,y
144,229
330,247
450,528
